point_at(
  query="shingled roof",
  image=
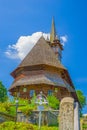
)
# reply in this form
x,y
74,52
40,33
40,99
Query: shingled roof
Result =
x,y
41,53
41,79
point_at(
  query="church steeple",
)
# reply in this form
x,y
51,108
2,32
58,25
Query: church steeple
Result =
x,y
53,31
55,42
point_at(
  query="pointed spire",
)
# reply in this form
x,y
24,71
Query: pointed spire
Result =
x,y
53,31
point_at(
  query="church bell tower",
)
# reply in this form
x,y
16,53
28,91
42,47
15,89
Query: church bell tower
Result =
x,y
55,42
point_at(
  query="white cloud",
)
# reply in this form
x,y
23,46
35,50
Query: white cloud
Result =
x,y
63,39
25,43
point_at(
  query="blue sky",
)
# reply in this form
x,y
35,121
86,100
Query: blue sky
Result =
x,y
25,17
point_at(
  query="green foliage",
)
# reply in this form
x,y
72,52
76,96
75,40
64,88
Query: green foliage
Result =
x,y
3,93
53,102
81,97
23,126
27,110
84,126
16,126
29,105
7,108
32,102
2,108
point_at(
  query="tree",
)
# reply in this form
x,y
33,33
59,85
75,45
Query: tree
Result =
x,y
82,98
3,93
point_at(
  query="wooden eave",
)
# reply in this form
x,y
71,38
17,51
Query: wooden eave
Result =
x,y
42,78
35,67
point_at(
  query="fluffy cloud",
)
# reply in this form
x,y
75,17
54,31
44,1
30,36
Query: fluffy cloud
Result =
x,y
64,39
25,43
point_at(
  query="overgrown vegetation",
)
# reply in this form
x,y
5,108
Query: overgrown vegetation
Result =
x,y
26,106
9,107
23,126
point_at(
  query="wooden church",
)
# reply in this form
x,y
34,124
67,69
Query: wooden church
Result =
x,y
42,70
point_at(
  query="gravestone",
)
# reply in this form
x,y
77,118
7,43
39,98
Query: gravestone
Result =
x,y
66,114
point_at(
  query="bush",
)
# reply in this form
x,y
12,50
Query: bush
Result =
x,y
84,126
28,107
27,110
7,108
53,102
23,126
10,108
16,126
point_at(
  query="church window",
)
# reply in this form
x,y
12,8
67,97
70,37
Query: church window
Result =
x,y
56,90
18,94
24,89
50,92
32,93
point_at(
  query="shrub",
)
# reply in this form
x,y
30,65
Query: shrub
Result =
x,y
84,126
16,126
27,110
23,126
53,102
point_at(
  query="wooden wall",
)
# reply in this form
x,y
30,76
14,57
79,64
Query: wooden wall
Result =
x,y
59,92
